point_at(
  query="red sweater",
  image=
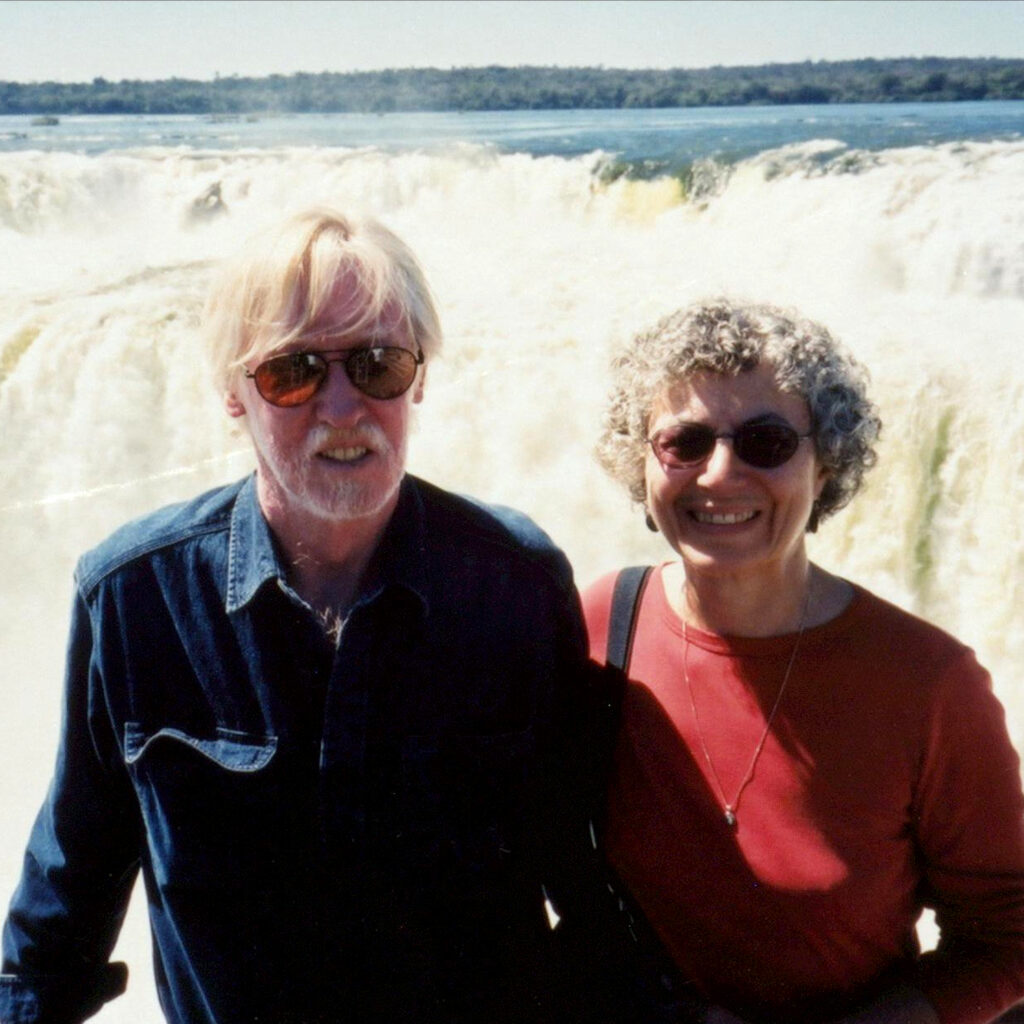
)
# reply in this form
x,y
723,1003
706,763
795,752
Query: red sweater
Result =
x,y
888,783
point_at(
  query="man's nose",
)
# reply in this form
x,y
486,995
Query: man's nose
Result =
x,y
339,400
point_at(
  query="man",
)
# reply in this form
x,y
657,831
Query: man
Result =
x,y
323,709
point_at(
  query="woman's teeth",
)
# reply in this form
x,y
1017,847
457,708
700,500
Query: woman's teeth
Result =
x,y
724,518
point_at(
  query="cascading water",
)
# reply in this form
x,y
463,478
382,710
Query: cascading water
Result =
x,y
540,265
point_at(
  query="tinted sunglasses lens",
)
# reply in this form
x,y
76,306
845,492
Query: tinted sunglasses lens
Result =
x,y
763,445
766,445
382,372
290,379
685,445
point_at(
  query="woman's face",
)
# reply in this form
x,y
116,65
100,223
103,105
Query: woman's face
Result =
x,y
721,514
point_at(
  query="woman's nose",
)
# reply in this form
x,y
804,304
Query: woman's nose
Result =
x,y
721,462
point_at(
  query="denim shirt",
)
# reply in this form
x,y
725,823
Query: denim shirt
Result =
x,y
364,831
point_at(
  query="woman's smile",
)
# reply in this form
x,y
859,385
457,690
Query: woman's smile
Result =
x,y
713,518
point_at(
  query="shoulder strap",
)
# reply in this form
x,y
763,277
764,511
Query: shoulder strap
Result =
x,y
663,992
626,597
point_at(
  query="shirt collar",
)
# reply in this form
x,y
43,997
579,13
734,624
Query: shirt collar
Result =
x,y
252,558
398,561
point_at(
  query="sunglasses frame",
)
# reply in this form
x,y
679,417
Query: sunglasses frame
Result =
x,y
670,462
345,356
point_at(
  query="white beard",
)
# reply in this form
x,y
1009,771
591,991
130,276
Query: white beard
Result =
x,y
306,481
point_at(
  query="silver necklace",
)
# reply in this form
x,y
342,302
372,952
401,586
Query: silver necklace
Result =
x,y
731,807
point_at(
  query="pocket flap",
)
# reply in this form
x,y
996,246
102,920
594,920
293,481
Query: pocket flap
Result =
x,y
236,751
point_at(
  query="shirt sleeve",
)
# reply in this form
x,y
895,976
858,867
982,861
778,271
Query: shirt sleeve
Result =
x,y
79,867
969,820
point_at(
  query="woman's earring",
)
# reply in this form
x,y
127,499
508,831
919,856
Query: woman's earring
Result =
x,y
649,520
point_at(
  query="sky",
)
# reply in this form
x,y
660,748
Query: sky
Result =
x,y
78,40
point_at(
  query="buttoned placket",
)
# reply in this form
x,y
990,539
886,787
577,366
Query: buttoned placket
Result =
x,y
344,791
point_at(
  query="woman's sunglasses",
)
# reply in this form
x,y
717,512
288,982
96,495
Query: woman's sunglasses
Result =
x,y
759,444
382,372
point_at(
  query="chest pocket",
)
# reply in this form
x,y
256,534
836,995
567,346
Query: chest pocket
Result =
x,y
235,751
212,804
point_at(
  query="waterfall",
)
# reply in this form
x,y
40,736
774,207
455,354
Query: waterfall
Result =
x,y
541,266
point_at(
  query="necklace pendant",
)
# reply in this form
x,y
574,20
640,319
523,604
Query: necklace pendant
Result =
x,y
730,817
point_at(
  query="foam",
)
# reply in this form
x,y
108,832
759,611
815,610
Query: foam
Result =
x,y
540,268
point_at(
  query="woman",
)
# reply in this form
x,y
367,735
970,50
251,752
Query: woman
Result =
x,y
801,767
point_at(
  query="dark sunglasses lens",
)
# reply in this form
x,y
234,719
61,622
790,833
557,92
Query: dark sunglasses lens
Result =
x,y
766,445
685,445
382,372
290,379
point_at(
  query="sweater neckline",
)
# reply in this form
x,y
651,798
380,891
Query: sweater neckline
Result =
x,y
749,646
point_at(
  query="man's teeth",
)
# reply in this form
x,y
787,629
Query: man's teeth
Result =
x,y
724,518
345,454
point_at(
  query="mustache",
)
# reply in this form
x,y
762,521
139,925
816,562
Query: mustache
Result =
x,y
367,435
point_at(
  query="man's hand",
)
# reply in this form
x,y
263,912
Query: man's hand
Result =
x,y
718,1015
903,1005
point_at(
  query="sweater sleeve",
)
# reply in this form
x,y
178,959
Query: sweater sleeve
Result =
x,y
969,821
78,869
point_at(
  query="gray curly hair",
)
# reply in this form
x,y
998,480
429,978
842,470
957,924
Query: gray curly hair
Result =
x,y
726,337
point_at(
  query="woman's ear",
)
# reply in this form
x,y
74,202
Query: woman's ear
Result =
x,y
820,480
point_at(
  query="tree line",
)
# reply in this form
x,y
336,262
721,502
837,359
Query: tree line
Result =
x,y
536,88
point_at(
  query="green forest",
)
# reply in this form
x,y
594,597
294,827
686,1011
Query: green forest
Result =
x,y
531,88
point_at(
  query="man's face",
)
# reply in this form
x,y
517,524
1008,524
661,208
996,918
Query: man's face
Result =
x,y
341,455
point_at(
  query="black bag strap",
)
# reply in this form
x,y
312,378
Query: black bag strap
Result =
x,y
609,682
666,997
626,597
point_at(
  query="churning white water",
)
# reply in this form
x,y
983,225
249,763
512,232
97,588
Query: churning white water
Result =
x,y
914,256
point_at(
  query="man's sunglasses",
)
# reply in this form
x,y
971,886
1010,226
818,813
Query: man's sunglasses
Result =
x,y
759,444
381,371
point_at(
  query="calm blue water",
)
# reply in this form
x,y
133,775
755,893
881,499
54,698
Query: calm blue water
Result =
x,y
648,140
